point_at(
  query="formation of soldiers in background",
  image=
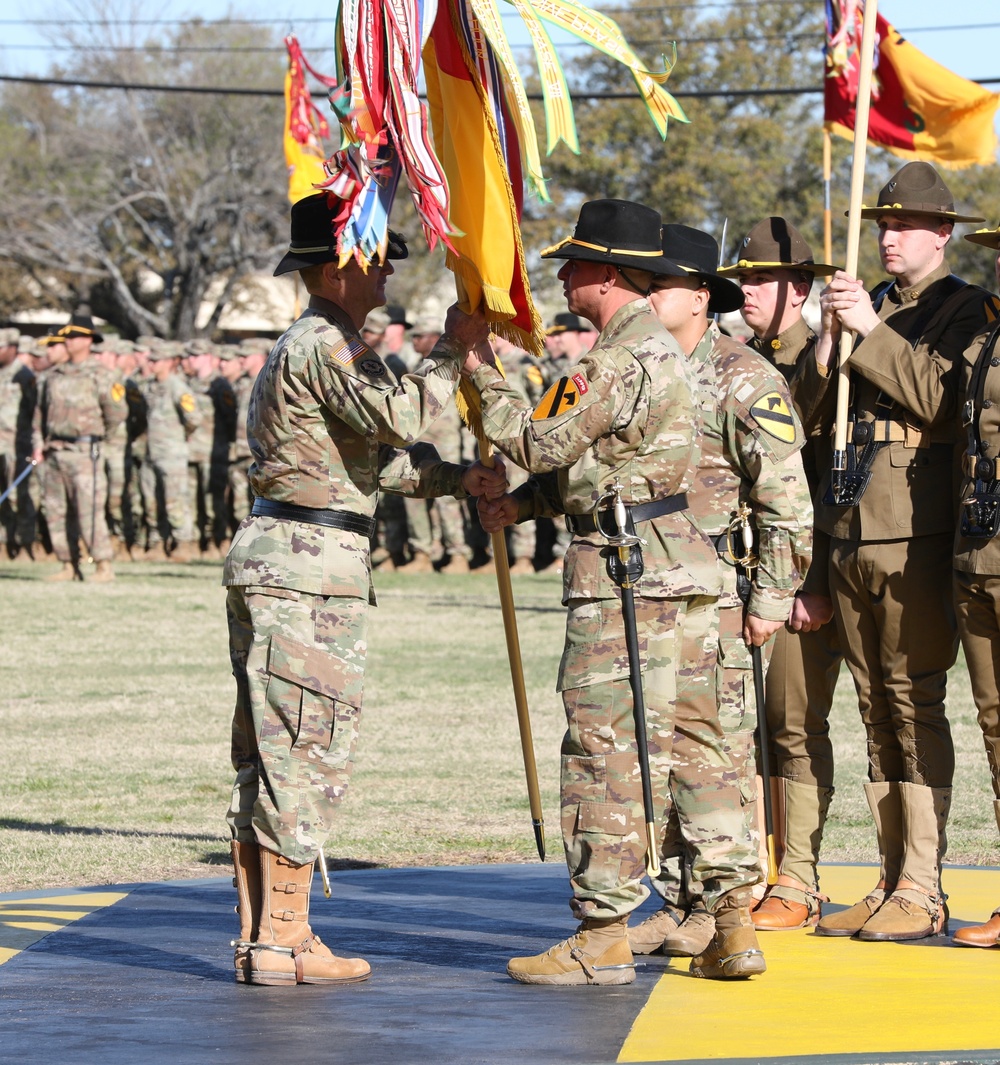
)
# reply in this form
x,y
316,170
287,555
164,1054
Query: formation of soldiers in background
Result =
x,y
154,435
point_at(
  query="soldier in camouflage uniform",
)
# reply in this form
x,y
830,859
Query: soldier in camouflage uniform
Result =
x,y
79,405
113,451
329,427
18,395
625,416
251,358
443,515
775,270
750,456
171,416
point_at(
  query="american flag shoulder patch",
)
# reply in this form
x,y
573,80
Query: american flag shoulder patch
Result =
x,y
348,351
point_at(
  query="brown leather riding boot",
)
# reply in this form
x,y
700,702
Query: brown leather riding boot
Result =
x,y
246,864
647,936
598,954
734,952
982,935
887,809
916,908
286,950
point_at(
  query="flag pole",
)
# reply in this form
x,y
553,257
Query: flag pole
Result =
x,y
827,212
867,59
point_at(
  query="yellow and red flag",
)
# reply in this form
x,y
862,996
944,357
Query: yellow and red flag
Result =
x,y
919,109
305,128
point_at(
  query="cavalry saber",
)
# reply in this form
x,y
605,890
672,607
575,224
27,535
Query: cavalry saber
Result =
x,y
26,472
623,543
764,763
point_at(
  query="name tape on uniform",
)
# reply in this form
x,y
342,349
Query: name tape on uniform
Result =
x,y
773,416
564,395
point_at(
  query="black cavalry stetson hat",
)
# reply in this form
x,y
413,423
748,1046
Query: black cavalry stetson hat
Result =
x,y
568,323
917,189
80,324
697,255
775,244
617,232
314,239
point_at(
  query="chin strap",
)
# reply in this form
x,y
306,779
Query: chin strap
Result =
x,y
632,285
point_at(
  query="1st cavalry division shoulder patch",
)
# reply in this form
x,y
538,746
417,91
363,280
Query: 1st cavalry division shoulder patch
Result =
x,y
773,416
117,392
564,395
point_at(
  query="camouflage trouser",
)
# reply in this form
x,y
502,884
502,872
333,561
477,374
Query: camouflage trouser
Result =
x,y
207,501
440,519
602,814
17,512
113,456
390,523
299,664
74,502
240,492
165,491
732,782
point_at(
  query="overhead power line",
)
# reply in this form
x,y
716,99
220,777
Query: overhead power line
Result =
x,y
214,90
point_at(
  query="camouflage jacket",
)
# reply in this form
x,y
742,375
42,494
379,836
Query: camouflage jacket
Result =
x,y
76,400
172,415
329,426
751,454
199,443
626,413
18,396
242,390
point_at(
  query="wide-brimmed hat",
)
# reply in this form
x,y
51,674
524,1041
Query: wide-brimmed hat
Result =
x,y
314,237
697,255
617,232
80,324
775,244
568,323
917,189
397,315
988,238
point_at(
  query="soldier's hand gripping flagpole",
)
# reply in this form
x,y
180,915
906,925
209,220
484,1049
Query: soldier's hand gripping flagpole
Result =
x,y
866,59
625,568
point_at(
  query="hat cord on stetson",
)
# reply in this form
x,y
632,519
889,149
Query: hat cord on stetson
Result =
x,y
600,247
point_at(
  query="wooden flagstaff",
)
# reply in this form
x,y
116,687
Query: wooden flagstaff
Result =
x,y
827,211
867,59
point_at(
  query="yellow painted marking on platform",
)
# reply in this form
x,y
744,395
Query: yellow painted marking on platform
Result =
x,y
824,996
25,921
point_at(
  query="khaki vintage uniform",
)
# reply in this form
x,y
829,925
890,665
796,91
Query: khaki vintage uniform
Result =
x,y
891,554
327,425
79,405
977,553
750,454
804,667
625,413
18,396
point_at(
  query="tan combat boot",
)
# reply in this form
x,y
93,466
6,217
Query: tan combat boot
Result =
x,y
887,809
794,901
981,935
916,908
104,572
598,954
647,936
521,566
155,553
734,952
456,564
286,950
246,863
69,572
184,551
420,563
693,937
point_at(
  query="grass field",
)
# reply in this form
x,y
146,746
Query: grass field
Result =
x,y
115,703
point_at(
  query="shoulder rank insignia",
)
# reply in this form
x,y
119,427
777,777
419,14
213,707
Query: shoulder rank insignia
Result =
x,y
773,416
117,392
564,395
187,403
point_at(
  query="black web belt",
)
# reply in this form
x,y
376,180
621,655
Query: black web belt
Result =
x,y
77,439
655,508
332,519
